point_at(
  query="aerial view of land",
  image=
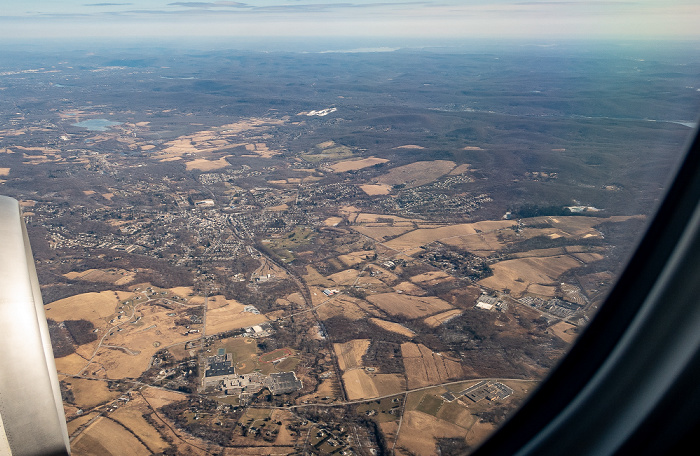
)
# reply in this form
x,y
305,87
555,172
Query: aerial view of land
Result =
x,y
252,253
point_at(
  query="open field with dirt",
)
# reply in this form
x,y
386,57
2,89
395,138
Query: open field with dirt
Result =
x,y
542,290
346,306
202,164
376,189
332,221
215,139
409,306
460,169
346,277
353,258
389,383
582,227
230,315
393,327
565,331
4,171
74,424
350,353
419,432
158,397
414,239
432,278
107,437
395,220
417,173
90,393
424,367
409,288
409,146
588,257
482,244
70,364
130,415
381,233
352,165
517,275
261,150
94,307
114,276
313,277
359,385
436,320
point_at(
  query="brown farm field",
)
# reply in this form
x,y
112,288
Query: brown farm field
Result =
x,y
565,331
94,307
158,397
432,278
342,305
354,258
359,385
362,385
228,315
202,164
107,437
517,275
414,239
409,306
376,189
417,173
114,276
346,277
380,233
350,353
131,417
436,320
352,165
393,327
409,288
419,432
90,393
425,367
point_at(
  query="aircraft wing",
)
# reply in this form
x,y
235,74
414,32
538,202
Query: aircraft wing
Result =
x,y
32,420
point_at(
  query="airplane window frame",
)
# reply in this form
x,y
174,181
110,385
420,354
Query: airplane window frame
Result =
x,y
628,385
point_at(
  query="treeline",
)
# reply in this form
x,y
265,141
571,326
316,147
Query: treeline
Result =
x,y
220,433
534,210
64,337
501,350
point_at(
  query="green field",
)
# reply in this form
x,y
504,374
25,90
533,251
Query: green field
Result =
x,y
247,358
430,404
288,364
276,354
284,246
328,151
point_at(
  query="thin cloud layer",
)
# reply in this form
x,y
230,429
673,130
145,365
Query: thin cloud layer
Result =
x,y
439,18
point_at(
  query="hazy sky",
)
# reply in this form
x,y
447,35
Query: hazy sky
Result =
x,y
385,18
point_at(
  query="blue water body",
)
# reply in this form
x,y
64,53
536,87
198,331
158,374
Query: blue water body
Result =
x,y
96,124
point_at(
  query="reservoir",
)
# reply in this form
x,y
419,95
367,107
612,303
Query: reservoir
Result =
x,y
96,124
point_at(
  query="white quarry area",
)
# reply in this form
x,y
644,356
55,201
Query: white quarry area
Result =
x,y
322,112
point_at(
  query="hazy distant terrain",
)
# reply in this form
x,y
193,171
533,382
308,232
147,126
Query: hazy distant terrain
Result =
x,y
393,228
